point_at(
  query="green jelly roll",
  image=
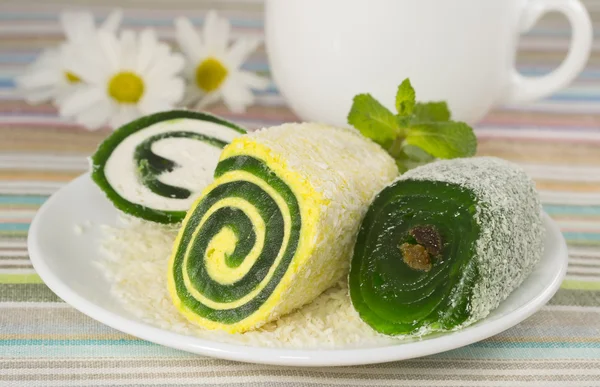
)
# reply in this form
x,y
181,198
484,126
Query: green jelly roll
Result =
x,y
444,244
155,167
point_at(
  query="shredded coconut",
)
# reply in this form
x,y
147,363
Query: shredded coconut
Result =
x,y
511,237
510,244
135,260
333,161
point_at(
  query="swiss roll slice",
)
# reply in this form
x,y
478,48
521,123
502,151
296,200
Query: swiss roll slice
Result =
x,y
276,227
156,166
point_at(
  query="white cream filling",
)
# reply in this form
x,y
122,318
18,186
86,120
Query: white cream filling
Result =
x,y
197,161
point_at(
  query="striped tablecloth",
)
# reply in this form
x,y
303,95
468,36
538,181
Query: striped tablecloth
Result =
x,y
44,342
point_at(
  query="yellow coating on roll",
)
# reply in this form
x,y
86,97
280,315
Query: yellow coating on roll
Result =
x,y
334,173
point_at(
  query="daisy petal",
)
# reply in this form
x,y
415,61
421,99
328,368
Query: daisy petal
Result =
x,y
88,62
125,114
222,41
146,47
63,92
168,66
77,26
174,91
47,58
41,78
191,95
37,96
153,105
241,50
170,90
88,71
96,116
236,97
216,33
188,39
110,48
112,21
208,100
189,72
161,50
128,50
80,100
253,80
210,28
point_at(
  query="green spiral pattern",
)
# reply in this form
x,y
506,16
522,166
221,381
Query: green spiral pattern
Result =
x,y
151,166
195,237
390,295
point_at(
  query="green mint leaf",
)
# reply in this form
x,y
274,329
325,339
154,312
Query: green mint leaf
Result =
x,y
417,154
404,121
402,166
418,134
405,98
444,140
431,111
373,120
411,157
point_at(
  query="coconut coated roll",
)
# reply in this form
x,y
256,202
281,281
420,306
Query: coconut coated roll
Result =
x,y
444,244
277,226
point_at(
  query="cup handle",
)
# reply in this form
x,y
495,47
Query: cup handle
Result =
x,y
526,89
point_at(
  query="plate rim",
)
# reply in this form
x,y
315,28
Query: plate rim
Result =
x,y
284,356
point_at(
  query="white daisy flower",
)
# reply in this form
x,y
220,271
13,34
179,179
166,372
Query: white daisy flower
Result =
x,y
47,78
213,67
123,79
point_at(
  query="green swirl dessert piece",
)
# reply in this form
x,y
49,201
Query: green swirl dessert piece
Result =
x,y
154,167
277,226
444,244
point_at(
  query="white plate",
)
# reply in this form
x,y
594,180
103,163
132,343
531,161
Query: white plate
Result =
x,y
64,261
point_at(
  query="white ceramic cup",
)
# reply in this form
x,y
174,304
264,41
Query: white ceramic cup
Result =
x,y
323,52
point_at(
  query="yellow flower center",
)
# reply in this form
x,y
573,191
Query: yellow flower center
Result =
x,y
210,74
72,78
126,87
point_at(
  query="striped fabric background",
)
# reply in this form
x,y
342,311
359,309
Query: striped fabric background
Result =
x,y
44,342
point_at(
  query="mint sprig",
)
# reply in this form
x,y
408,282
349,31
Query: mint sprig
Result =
x,y
432,111
444,140
374,120
405,98
418,134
